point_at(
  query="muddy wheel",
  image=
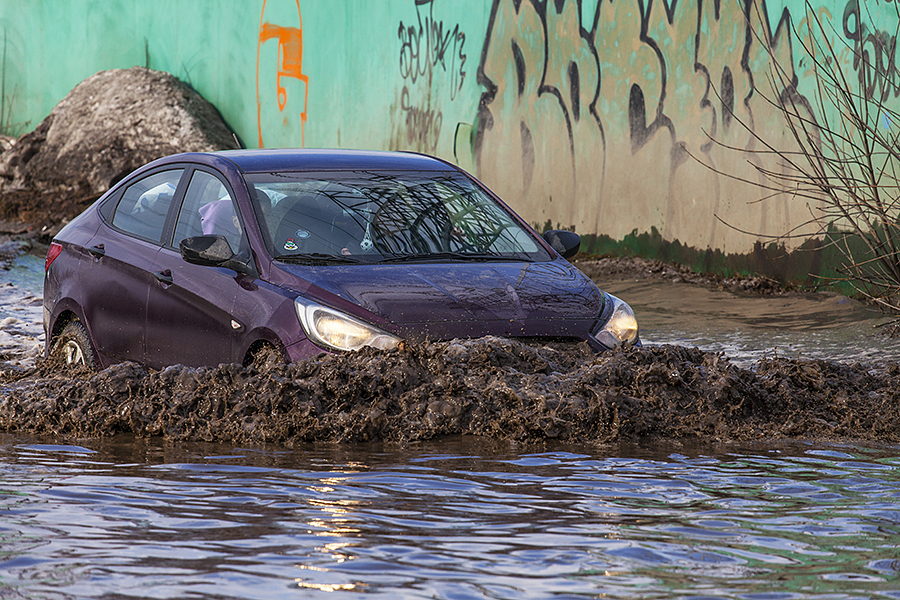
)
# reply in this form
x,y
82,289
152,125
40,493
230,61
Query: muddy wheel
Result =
x,y
74,347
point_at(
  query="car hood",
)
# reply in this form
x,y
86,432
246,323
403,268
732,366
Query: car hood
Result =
x,y
442,301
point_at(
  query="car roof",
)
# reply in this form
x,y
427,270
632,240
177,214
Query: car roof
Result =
x,y
269,160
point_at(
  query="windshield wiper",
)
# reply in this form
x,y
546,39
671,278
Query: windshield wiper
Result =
x,y
461,256
316,258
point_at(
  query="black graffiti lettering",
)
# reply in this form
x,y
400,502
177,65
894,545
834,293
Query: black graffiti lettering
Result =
x,y
428,44
637,118
851,11
458,75
423,125
409,53
527,154
874,56
727,96
575,88
519,59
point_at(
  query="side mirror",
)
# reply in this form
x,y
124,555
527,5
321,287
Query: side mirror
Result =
x,y
567,243
212,251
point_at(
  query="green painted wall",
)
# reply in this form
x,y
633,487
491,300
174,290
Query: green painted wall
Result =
x,y
594,115
355,64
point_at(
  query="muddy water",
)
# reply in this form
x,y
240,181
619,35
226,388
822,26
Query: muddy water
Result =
x,y
458,518
716,366
749,327
21,328
476,469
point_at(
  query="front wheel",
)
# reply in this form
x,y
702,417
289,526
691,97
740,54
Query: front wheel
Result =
x,y
74,347
263,355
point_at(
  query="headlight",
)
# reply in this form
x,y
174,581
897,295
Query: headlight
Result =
x,y
339,331
621,328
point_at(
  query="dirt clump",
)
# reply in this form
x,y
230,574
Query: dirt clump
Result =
x,y
499,388
108,125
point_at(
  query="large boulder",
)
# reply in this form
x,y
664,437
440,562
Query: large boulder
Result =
x,y
107,126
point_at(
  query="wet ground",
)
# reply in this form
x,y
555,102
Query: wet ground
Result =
x,y
748,326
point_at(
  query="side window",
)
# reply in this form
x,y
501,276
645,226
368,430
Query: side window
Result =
x,y
144,205
208,209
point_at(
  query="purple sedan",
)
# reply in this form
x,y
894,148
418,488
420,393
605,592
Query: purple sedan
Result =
x,y
203,259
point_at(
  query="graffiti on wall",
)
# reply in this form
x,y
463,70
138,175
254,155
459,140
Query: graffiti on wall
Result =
x,y
429,43
430,48
600,115
874,55
423,124
282,89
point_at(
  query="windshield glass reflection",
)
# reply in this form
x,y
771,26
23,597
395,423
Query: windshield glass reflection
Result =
x,y
386,216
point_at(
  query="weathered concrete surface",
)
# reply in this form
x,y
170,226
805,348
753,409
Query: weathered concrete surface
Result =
x,y
107,126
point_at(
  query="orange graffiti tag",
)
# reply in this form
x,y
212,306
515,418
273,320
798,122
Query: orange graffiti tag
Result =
x,y
290,64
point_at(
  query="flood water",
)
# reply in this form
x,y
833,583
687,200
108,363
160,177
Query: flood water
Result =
x,y
458,518
748,327
475,517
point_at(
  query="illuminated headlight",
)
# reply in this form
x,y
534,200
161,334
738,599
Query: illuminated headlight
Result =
x,y
339,331
621,328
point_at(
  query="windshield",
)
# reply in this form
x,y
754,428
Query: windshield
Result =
x,y
392,216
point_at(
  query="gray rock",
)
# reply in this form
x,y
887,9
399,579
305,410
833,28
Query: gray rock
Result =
x,y
7,142
107,126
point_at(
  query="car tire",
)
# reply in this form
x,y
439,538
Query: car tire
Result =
x,y
74,347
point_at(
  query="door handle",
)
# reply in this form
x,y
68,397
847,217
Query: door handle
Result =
x,y
164,277
97,251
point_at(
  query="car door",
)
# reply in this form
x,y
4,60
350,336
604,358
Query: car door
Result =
x,y
123,252
189,307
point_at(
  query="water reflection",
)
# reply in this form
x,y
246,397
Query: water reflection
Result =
x,y
376,215
336,520
459,518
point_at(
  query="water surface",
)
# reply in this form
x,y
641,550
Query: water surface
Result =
x,y
744,327
749,327
459,518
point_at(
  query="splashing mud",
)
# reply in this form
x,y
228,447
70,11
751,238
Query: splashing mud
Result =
x,y
493,387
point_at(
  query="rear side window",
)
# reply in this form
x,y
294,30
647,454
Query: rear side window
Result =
x,y
144,205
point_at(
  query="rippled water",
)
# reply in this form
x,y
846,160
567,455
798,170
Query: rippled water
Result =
x,y
21,318
460,518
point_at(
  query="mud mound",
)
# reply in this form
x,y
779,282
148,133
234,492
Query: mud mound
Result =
x,y
107,126
633,267
488,387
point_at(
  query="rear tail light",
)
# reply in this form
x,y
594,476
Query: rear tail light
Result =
x,y
52,253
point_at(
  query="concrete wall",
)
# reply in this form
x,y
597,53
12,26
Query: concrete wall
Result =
x,y
594,114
